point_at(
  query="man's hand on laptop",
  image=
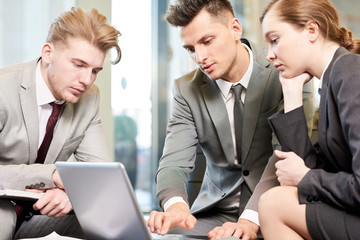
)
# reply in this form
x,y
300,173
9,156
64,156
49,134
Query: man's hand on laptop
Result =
x,y
243,229
177,215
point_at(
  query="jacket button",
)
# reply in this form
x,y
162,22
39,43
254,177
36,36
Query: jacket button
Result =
x,y
246,173
309,199
42,184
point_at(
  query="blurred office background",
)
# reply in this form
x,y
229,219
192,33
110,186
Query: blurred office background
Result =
x,y
136,93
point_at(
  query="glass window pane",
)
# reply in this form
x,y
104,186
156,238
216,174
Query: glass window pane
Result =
x,y
131,93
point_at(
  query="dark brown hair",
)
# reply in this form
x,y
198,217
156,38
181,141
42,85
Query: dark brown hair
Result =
x,y
90,26
184,11
299,12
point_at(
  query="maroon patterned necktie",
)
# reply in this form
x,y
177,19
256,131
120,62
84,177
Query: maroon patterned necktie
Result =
x,y
49,132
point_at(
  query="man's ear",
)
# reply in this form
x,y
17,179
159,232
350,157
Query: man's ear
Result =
x,y
312,30
46,52
237,28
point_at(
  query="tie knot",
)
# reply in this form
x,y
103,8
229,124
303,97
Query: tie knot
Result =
x,y
237,89
56,109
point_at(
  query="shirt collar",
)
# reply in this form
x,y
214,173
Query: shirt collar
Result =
x,y
43,93
225,86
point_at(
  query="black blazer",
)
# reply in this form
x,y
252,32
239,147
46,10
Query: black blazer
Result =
x,y
337,182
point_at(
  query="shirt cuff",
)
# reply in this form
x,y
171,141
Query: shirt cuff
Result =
x,y
251,216
172,201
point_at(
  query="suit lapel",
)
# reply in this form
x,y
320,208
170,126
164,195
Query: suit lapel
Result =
x,y
29,108
253,101
254,97
323,108
217,111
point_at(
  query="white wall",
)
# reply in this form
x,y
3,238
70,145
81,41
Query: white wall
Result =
x,y
24,25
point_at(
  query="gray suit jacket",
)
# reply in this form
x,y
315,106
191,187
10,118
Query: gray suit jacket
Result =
x,y
337,182
199,116
79,130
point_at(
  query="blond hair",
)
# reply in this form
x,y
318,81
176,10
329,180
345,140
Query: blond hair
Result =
x,y
90,26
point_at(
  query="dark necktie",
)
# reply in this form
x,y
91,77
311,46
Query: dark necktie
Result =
x,y
44,147
245,192
238,118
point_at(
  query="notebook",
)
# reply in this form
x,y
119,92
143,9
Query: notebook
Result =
x,y
104,201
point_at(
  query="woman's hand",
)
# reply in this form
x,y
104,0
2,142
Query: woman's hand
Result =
x,y
296,81
292,90
290,169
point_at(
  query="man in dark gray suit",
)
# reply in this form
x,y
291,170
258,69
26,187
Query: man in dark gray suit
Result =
x,y
202,113
63,76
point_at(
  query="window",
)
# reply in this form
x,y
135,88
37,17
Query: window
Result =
x,y
131,96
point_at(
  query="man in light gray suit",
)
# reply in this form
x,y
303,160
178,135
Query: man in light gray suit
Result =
x,y
70,60
202,114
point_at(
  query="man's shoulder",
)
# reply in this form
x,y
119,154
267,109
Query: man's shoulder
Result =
x,y
87,107
16,73
252,45
192,79
259,53
18,66
191,76
12,76
92,93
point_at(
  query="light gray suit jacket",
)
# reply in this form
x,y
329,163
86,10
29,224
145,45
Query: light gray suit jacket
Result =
x,y
79,130
199,116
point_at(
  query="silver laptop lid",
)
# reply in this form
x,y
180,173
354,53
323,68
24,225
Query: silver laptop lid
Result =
x,y
103,200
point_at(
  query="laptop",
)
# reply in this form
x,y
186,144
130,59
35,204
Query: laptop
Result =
x,y
104,201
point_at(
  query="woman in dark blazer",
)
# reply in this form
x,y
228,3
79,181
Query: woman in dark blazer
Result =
x,y
319,196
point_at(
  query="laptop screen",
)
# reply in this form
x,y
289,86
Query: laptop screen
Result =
x,y
103,200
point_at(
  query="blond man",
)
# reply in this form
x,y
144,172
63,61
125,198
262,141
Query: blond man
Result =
x,y
62,78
